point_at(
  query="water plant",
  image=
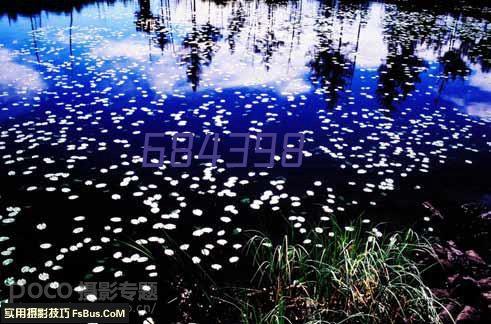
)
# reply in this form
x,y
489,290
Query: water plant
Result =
x,y
341,276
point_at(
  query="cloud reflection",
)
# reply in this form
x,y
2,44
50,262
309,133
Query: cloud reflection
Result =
x,y
18,76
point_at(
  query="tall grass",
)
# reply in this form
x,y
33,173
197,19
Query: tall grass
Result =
x,y
346,276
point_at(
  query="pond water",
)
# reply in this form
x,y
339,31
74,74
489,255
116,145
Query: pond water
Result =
x,y
394,103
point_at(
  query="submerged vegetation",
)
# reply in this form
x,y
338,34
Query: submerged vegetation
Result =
x,y
344,276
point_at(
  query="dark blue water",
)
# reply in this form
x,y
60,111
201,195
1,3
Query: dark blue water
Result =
x,y
394,104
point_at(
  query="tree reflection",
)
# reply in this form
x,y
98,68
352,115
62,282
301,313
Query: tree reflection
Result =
x,y
266,45
475,40
453,64
163,31
145,20
398,76
453,67
271,29
330,66
236,23
157,26
401,70
200,45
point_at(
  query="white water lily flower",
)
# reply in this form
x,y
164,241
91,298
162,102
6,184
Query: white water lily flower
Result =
x,y
98,269
197,212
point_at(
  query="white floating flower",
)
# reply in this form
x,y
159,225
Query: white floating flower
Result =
x,y
197,212
98,269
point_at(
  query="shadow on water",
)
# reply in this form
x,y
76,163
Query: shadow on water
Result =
x,y
14,9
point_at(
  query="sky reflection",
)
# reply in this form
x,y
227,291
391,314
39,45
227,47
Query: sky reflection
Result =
x,y
387,96
18,76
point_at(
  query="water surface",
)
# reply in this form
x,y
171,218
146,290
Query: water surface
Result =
x,y
394,102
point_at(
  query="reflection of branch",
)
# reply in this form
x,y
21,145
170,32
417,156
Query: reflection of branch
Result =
x,y
36,49
297,22
236,23
70,42
361,22
70,33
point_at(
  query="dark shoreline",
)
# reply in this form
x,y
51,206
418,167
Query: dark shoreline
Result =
x,y
462,276
473,8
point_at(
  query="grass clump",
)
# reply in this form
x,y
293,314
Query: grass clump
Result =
x,y
343,276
